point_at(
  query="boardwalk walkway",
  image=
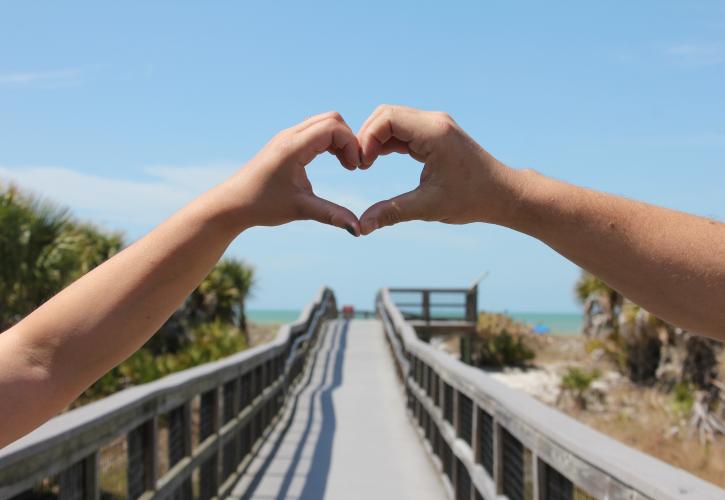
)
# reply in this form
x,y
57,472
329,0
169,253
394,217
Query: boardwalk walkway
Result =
x,y
348,440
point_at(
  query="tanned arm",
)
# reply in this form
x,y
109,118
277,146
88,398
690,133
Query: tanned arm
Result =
x,y
670,263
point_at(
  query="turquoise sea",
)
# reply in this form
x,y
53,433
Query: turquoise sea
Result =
x,y
270,316
559,323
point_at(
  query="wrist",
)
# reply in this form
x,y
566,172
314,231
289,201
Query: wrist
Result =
x,y
536,202
517,190
225,210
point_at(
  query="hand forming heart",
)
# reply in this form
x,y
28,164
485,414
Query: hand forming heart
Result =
x,y
460,181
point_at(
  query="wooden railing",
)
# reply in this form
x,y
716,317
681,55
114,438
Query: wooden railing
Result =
x,y
188,435
490,441
438,304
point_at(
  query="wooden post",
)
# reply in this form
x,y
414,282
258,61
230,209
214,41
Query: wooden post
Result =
x,y
465,347
92,465
83,476
498,457
426,306
539,477
472,305
142,448
218,443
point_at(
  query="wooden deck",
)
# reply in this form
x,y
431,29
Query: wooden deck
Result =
x,y
346,433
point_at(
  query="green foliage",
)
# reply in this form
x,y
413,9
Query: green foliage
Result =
x,y
503,349
577,382
588,285
209,342
219,297
42,250
612,347
683,398
499,341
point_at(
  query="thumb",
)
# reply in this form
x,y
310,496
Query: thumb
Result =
x,y
326,212
404,207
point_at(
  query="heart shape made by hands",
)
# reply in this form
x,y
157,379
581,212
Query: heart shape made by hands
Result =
x,y
460,182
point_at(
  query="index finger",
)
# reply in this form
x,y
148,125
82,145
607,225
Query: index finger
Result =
x,y
329,134
396,124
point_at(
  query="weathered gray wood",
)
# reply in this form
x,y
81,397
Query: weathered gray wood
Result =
x,y
70,437
598,464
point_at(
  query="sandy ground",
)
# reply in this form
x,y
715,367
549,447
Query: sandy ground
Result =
x,y
645,418
261,334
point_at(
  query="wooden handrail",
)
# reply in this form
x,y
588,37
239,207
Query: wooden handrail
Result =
x,y
468,302
241,393
488,439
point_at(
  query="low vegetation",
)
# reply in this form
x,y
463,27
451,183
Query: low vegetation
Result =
x,y
500,342
577,382
652,352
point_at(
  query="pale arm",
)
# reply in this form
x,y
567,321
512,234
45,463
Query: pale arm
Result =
x,y
50,357
671,263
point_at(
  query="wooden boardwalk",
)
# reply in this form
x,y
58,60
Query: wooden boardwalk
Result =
x,y
346,434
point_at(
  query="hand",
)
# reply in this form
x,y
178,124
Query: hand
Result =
x,y
273,187
460,182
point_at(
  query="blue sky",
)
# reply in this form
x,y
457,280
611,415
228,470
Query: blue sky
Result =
x,y
126,111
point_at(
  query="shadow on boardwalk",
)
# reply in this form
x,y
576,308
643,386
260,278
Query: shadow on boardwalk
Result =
x,y
316,477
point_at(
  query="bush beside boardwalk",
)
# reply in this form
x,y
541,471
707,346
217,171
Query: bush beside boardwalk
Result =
x,y
591,378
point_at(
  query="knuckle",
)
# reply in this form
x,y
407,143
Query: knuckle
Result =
x,y
443,123
385,109
442,115
392,214
334,115
285,143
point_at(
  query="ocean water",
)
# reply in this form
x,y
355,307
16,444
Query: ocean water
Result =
x,y
272,316
559,323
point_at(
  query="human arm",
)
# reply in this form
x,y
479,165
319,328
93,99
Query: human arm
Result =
x,y
669,262
51,356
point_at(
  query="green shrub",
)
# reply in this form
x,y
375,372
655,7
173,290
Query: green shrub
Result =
x,y
683,398
209,342
577,382
502,349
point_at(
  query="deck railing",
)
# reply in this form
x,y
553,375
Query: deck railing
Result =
x,y
188,435
438,304
490,441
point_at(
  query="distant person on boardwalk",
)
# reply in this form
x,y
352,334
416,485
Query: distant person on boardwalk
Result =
x,y
671,263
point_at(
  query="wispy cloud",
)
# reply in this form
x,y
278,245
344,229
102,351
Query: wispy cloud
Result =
x,y
41,78
136,205
697,54
130,205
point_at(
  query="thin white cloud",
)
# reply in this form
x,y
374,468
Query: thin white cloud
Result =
x,y
697,54
136,205
131,205
41,78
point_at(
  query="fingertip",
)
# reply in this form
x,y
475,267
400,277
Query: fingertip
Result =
x,y
368,225
354,230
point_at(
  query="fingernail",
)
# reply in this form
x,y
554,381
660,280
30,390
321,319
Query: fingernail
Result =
x,y
351,230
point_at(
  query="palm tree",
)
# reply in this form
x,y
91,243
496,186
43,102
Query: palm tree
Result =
x,y
42,250
654,349
223,292
602,305
220,297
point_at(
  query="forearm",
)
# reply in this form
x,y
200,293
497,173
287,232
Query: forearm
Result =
x,y
101,319
670,263
48,358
